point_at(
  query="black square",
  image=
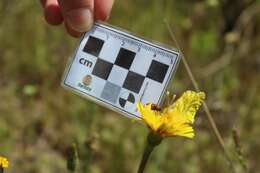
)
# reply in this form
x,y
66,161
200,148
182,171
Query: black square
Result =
x,y
125,58
157,71
102,69
93,46
133,82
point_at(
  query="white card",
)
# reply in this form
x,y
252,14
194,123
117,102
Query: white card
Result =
x,y
117,69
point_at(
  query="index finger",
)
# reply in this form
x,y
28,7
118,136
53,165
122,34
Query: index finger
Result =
x,y
102,9
52,11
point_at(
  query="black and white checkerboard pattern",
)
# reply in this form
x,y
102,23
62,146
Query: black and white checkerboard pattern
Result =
x,y
122,74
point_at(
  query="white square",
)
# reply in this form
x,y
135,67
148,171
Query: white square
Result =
x,y
117,75
97,86
152,92
109,51
141,62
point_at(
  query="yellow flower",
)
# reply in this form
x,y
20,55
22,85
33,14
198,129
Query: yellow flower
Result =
x,y
175,120
3,162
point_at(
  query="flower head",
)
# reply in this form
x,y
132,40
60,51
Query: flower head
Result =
x,y
3,162
176,119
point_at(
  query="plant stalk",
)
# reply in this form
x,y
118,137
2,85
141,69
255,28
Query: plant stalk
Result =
x,y
153,140
147,152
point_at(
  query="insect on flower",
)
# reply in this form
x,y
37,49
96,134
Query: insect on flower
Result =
x,y
176,119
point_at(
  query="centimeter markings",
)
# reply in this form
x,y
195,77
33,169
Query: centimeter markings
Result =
x,y
140,44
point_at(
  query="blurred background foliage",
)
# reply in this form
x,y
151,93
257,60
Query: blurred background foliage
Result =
x,y
39,120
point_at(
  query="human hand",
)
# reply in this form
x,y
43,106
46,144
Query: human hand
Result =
x,y
77,15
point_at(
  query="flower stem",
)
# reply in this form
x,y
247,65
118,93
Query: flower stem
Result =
x,y
1,169
153,140
147,152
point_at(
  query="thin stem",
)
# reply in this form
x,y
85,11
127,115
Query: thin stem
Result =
x,y
147,152
205,106
1,169
153,140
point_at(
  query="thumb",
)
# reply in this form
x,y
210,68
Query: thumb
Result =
x,y
78,14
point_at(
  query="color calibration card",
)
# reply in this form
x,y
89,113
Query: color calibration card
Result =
x,y
117,69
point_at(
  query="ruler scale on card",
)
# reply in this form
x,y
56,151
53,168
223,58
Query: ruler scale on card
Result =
x,y
117,69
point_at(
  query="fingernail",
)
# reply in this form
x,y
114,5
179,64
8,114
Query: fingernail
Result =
x,y
80,20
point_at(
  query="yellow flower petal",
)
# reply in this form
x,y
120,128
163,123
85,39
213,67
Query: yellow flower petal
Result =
x,y
175,120
188,104
184,130
153,119
4,162
176,124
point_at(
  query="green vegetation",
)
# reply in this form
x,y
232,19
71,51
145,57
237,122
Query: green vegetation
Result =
x,y
39,120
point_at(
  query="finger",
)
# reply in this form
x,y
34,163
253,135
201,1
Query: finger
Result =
x,y
52,12
103,9
72,32
78,14
43,2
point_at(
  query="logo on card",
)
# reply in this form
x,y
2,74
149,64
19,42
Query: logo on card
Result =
x,y
86,82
